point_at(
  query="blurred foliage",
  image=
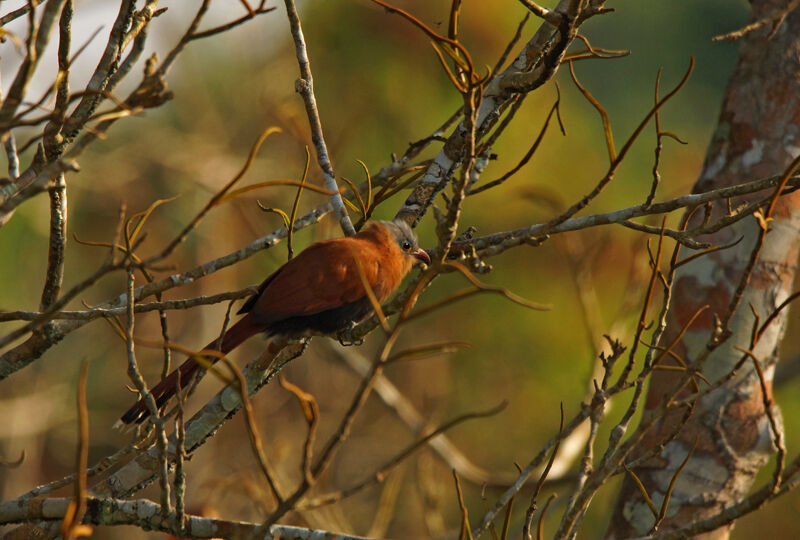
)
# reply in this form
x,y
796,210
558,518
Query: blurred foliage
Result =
x,y
379,87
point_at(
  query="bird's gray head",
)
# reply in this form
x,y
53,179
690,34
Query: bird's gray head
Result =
x,y
407,240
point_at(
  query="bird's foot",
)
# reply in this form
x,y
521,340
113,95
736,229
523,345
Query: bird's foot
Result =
x,y
346,337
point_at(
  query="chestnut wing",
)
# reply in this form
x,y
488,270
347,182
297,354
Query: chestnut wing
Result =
x,y
322,277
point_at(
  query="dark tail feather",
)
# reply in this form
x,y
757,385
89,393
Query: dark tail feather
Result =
x,y
168,387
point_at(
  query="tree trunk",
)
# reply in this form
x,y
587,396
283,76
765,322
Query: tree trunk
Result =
x,y
758,135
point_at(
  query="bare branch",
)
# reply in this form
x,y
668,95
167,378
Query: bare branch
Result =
x,y
305,87
146,514
775,18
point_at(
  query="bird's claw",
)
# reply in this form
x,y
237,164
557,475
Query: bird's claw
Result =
x,y
346,337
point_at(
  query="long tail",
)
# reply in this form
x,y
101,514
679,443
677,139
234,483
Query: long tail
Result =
x,y
182,376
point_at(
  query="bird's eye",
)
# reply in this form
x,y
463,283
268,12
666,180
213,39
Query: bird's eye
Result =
x,y
406,245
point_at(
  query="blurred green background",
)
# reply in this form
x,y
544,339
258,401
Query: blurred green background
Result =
x,y
379,87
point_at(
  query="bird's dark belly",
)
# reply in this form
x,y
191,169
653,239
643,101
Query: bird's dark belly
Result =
x,y
331,321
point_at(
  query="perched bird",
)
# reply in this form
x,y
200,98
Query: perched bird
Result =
x,y
320,291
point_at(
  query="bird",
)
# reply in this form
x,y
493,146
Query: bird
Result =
x,y
319,291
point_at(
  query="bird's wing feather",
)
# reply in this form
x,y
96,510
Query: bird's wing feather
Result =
x,y
251,301
324,276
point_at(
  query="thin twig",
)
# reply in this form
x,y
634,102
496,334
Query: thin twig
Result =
x,y
400,457
234,23
775,18
526,529
71,527
96,313
466,531
252,429
528,155
19,12
13,158
305,87
138,381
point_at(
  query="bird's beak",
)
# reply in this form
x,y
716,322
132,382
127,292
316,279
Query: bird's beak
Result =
x,y
421,255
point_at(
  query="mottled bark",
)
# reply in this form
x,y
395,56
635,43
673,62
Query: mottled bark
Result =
x,y
758,135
